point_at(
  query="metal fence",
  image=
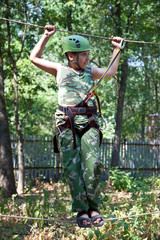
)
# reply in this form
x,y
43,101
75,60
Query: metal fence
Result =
x,y
141,158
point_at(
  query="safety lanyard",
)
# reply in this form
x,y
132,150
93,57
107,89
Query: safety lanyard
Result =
x,y
92,91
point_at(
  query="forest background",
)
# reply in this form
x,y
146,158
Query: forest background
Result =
x,y
28,101
28,96
37,91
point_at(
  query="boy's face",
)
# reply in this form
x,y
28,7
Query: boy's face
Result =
x,y
81,57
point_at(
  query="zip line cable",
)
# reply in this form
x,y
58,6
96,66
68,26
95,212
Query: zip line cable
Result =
x,y
83,34
74,221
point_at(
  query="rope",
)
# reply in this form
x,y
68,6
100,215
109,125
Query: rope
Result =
x,y
74,221
38,219
83,34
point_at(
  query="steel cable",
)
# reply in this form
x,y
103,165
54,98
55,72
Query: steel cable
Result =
x,y
74,221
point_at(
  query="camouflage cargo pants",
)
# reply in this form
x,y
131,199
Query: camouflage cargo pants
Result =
x,y
82,168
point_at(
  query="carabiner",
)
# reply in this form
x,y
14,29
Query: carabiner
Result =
x,y
105,123
122,44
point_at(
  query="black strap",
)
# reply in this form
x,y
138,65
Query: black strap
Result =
x,y
71,119
79,110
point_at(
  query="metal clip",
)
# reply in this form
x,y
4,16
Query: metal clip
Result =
x,y
60,133
105,123
122,44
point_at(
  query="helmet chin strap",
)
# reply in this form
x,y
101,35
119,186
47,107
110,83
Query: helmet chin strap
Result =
x,y
77,62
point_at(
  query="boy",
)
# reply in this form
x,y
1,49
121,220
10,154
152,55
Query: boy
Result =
x,y
78,131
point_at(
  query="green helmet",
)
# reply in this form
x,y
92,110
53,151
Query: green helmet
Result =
x,y
75,43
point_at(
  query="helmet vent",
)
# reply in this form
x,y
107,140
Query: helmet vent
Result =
x,y
76,42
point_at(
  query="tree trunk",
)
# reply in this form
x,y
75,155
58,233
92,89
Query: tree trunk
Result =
x,y
20,162
7,181
20,135
119,115
17,122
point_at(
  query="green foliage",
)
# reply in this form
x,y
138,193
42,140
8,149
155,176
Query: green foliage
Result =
x,y
38,209
53,201
141,185
120,180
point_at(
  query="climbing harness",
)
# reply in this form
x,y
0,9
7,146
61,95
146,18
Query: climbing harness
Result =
x,y
71,112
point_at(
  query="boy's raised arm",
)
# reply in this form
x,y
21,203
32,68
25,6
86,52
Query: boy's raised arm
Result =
x,y
35,56
98,72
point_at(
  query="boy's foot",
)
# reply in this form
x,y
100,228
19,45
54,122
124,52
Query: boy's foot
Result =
x,y
96,217
83,219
